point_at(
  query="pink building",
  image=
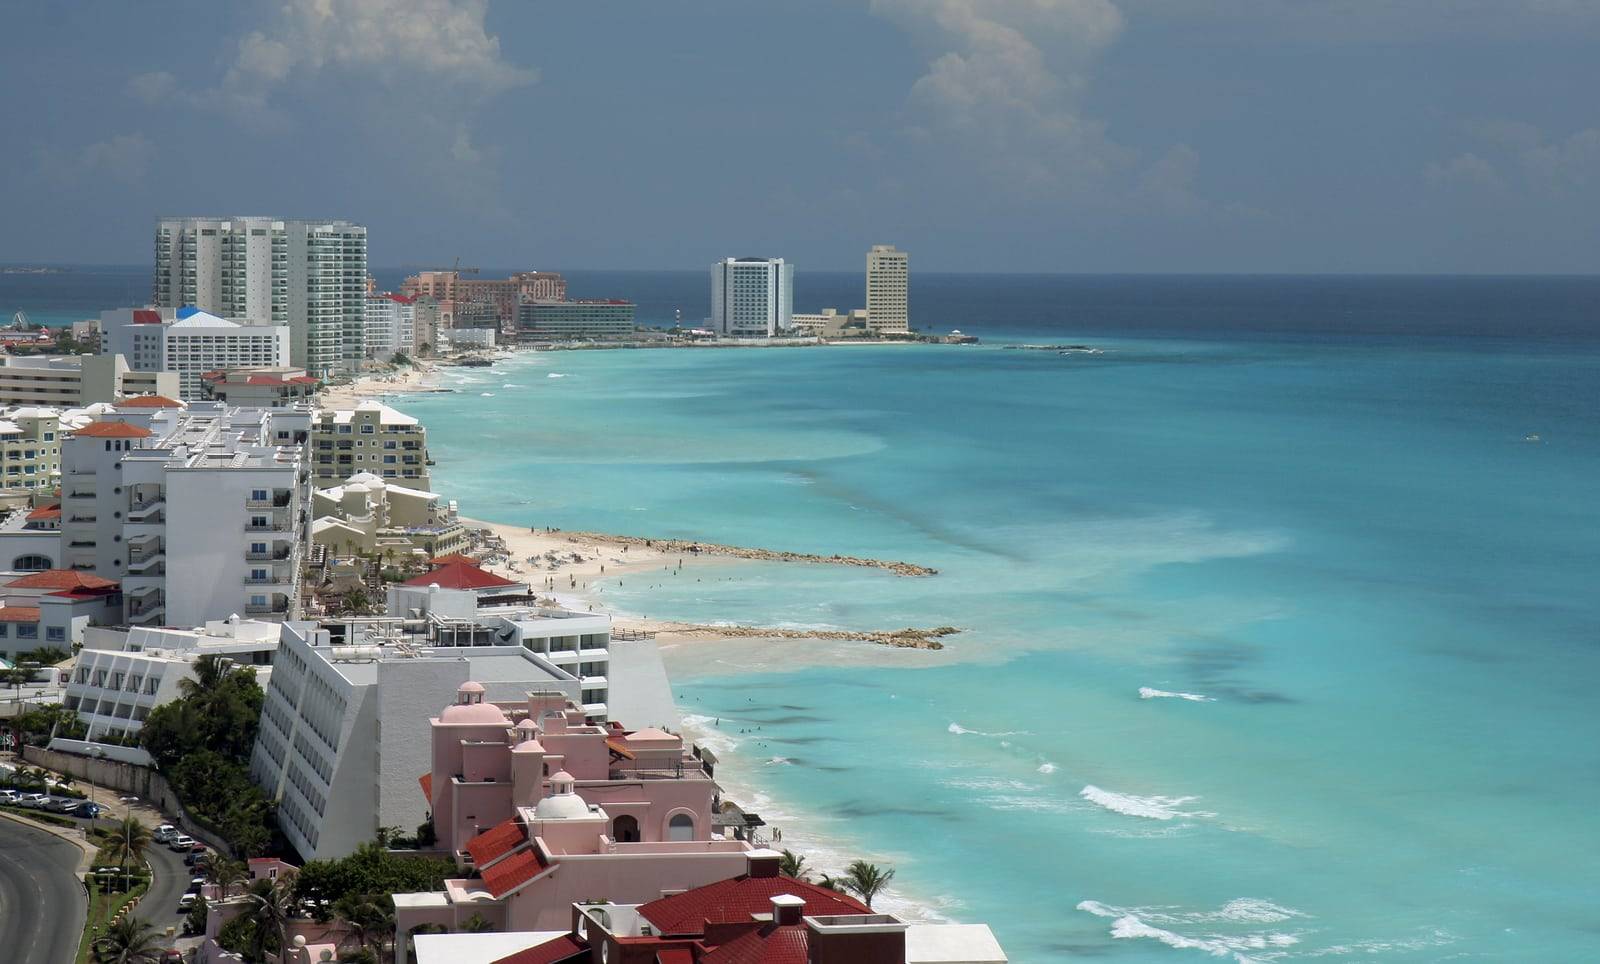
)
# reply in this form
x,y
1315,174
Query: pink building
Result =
x,y
490,760
549,809
504,293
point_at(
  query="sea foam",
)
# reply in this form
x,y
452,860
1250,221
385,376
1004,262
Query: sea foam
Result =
x,y
960,730
1129,925
1151,808
1151,693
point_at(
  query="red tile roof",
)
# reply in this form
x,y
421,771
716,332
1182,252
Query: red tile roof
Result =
x,y
496,842
19,614
562,948
675,955
452,557
61,579
46,512
734,900
510,873
427,786
149,401
460,575
82,593
112,430
782,944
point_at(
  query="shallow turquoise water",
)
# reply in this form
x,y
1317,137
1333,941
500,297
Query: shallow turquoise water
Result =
x,y
1345,544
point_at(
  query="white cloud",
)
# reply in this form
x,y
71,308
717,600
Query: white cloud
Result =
x,y
1004,80
1560,166
124,157
1464,170
154,87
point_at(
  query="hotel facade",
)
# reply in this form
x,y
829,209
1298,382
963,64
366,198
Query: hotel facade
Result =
x,y
751,297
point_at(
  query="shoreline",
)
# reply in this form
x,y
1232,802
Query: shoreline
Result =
x,y
697,548
565,566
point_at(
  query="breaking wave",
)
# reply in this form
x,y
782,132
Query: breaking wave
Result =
x,y
1127,924
1151,808
960,730
1150,693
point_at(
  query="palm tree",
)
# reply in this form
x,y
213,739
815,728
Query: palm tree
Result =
x,y
225,873
127,842
209,671
476,925
865,880
832,883
129,940
371,921
792,865
273,907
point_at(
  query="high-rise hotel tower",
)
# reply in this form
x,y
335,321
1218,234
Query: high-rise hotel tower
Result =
x,y
308,274
888,282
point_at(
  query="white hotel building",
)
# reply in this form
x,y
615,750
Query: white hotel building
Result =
x,y
198,511
751,297
342,741
123,674
191,343
390,326
308,275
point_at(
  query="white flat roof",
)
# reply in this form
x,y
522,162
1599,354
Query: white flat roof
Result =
x,y
477,948
952,944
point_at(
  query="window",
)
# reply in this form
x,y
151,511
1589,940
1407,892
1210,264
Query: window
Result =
x,y
27,630
5,630
55,634
680,827
258,495
258,548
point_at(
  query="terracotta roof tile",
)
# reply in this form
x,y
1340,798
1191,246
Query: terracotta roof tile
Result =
x,y
783,944
736,899
149,401
510,873
562,948
460,575
496,842
112,430
46,512
19,614
62,579
427,786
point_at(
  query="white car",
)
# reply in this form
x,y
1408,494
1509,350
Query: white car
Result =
x,y
34,800
164,833
8,796
186,901
181,842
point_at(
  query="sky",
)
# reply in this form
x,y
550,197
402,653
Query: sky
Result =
x,y
1241,136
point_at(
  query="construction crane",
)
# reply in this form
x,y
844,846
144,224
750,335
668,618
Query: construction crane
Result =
x,y
458,267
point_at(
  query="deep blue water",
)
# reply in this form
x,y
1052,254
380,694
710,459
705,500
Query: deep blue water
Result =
x,y
1313,504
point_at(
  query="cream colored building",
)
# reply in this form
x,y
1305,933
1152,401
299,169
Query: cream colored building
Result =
x,y
73,381
370,516
30,448
373,438
833,323
888,289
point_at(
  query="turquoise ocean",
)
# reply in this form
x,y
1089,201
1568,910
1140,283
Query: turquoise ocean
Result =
x,y
1281,625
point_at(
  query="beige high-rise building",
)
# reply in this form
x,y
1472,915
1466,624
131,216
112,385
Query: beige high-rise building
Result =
x,y
888,286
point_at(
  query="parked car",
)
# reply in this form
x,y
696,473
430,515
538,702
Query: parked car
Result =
x,y
34,800
61,805
164,833
9,796
195,883
90,810
181,842
186,901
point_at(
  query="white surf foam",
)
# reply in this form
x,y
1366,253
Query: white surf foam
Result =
x,y
1151,808
487,394
1127,924
779,761
1047,767
1150,693
960,730
555,375
509,385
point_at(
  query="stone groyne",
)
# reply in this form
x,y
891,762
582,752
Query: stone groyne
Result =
x,y
900,638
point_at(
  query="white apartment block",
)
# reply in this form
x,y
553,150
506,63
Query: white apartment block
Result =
x,y
123,674
888,288
373,438
191,343
307,274
390,326
72,381
199,511
751,297
341,745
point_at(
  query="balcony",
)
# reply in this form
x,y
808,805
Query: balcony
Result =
x,y
152,564
275,555
269,527
273,580
267,609
279,500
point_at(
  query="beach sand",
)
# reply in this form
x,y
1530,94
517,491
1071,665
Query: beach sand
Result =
x,y
421,377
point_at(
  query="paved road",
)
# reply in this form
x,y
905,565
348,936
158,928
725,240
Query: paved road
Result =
x,y
42,905
160,905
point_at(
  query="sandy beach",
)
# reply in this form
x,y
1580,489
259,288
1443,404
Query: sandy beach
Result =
x,y
573,568
420,377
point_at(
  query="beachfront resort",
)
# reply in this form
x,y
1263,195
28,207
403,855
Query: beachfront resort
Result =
x,y
226,510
